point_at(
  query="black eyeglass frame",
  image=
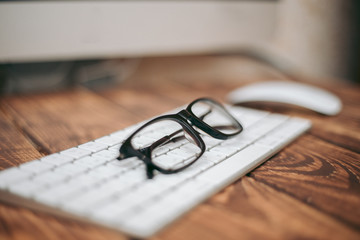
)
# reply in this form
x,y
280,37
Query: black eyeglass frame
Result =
x,y
187,119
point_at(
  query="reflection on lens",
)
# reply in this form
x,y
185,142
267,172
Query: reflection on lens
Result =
x,y
215,116
165,136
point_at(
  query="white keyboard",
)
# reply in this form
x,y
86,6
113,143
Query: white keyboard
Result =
x,y
87,182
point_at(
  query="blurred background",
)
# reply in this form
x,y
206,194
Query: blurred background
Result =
x,y
51,45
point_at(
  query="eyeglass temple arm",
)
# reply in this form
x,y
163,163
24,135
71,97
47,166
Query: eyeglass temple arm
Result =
x,y
205,114
165,139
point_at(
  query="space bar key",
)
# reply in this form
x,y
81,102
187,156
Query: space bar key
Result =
x,y
237,165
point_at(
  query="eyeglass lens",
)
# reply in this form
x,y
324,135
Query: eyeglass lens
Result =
x,y
172,147
215,116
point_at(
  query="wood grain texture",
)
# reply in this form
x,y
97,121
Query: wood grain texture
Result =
x,y
252,210
14,154
57,121
318,174
22,224
310,190
343,129
151,99
133,99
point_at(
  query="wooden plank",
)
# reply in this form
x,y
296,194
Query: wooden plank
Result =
x,y
15,148
149,100
251,210
140,101
343,129
57,121
22,224
319,174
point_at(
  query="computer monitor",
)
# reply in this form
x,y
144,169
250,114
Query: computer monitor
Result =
x,y
32,31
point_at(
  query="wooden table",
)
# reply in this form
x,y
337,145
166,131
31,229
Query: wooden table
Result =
x,y
309,190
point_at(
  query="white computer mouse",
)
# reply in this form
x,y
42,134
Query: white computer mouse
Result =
x,y
299,94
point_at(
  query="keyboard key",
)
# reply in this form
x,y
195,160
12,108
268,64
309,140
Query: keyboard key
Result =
x,y
213,156
198,167
166,181
159,212
115,149
82,204
168,161
49,178
76,152
112,213
227,150
27,188
185,151
57,193
93,146
237,165
107,155
57,159
125,164
248,117
110,140
90,162
70,169
12,176
36,166
292,128
234,143
266,124
105,172
84,181
210,141
271,141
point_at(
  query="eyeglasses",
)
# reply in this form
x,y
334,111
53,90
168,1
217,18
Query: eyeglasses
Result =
x,y
171,143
